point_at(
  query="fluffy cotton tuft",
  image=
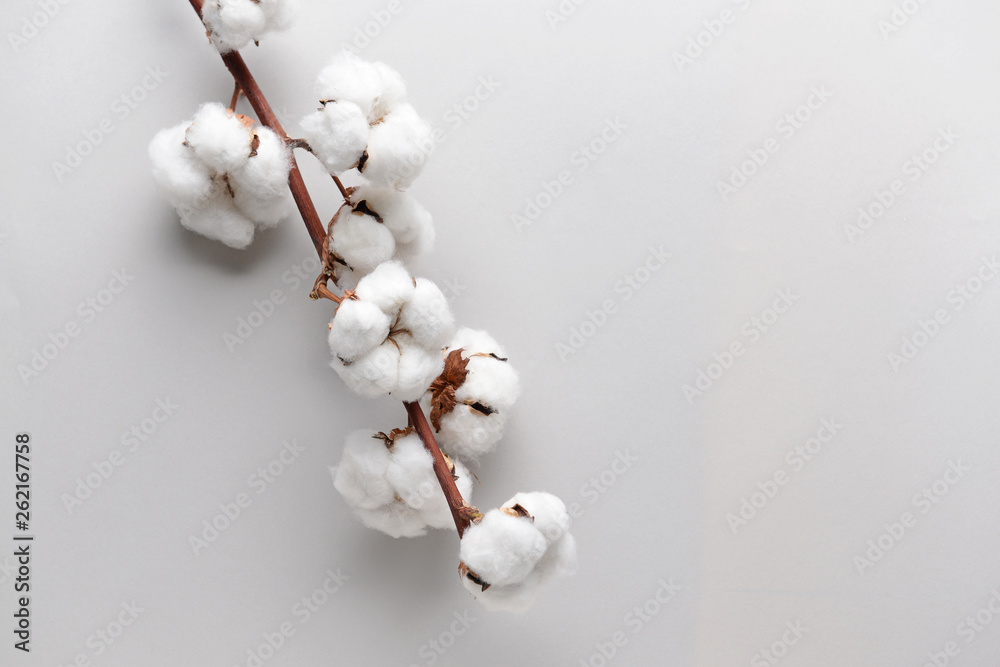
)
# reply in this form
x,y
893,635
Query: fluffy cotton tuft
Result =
x,y
397,148
469,408
361,240
224,176
400,212
375,87
389,481
389,339
513,550
220,138
502,549
232,24
337,134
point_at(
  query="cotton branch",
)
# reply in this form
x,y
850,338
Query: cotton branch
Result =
x,y
461,511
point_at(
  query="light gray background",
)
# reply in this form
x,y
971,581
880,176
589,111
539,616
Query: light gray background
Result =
x,y
664,518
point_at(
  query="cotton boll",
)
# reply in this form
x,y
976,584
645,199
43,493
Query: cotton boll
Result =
x,y
280,13
361,476
388,286
418,367
515,598
469,433
219,139
348,78
337,134
357,328
491,382
233,24
218,218
411,472
397,148
502,549
373,374
395,520
180,175
361,240
548,511
265,174
427,316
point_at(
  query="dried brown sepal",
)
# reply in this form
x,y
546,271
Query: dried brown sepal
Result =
x,y
451,466
463,570
363,207
517,511
443,388
481,407
254,145
470,512
488,354
389,439
363,161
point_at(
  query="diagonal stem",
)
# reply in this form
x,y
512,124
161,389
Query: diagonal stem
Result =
x,y
461,511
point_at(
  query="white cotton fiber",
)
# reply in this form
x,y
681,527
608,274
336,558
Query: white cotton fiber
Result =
x,y
372,375
218,218
400,212
436,511
388,286
502,549
476,341
395,520
348,78
427,316
232,24
559,560
469,433
361,240
181,176
491,382
548,511
361,476
397,148
392,92
219,138
411,472
357,328
418,367
265,174
337,135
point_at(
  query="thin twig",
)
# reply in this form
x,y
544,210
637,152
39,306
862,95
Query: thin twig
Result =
x,y
236,96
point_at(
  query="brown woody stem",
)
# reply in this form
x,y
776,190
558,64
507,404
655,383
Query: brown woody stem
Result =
x,y
238,68
461,511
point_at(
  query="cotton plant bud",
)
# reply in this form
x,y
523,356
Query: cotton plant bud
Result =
x,y
388,480
469,402
361,239
224,175
337,134
397,148
512,550
232,24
